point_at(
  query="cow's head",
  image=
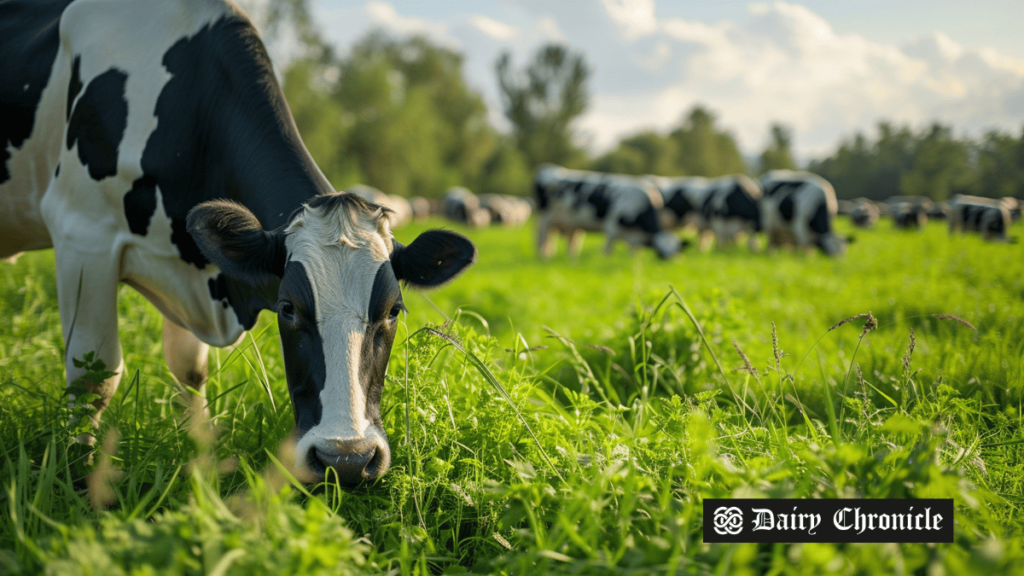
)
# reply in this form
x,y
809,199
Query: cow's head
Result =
x,y
334,270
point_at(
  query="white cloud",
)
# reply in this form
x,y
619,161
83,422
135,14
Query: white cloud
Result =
x,y
780,62
493,28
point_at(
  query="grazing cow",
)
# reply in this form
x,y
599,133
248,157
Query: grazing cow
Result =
x,y
732,205
624,208
462,206
985,216
399,209
420,208
864,213
506,210
909,216
684,200
798,208
1013,205
148,142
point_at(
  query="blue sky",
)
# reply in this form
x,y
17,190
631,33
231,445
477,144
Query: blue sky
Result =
x,y
825,68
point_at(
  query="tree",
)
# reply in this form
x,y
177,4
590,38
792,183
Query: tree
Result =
x,y
394,114
643,153
778,154
542,101
703,149
941,166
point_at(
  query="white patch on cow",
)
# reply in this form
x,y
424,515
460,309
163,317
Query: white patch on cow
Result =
x,y
341,252
812,193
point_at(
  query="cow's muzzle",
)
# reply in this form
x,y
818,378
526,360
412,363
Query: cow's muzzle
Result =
x,y
353,461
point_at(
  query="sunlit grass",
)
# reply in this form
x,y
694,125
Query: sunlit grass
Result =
x,y
634,422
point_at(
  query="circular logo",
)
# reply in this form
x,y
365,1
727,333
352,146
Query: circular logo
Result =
x,y
728,520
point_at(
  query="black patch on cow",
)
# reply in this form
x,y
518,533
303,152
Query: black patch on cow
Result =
x,y
98,121
819,223
646,220
740,204
385,303
140,204
219,289
997,226
302,346
224,131
598,198
541,193
29,40
56,172
75,85
679,204
786,208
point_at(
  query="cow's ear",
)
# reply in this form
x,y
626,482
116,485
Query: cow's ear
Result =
x,y
434,258
232,238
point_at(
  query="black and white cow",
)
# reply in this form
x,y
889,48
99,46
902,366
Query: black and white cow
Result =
x,y
864,214
624,208
684,200
462,206
148,142
798,208
909,216
987,217
732,205
506,210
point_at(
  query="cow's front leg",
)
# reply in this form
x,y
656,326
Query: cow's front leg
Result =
x,y
576,242
87,297
545,241
188,359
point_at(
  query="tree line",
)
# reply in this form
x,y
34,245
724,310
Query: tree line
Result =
x,y
397,114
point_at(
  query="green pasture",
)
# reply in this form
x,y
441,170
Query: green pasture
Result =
x,y
564,416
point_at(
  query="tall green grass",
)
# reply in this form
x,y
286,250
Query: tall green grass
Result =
x,y
570,419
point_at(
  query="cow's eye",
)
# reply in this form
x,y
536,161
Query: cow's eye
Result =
x,y
287,310
395,311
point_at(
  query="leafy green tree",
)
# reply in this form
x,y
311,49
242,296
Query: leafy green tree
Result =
x,y
1000,165
643,153
395,114
778,154
542,101
703,148
941,166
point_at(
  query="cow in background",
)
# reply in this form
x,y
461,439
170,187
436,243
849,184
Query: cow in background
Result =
x,y
462,206
506,210
623,208
909,215
984,216
864,214
684,200
798,208
400,209
732,205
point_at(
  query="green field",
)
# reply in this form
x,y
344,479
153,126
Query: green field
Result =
x,y
633,422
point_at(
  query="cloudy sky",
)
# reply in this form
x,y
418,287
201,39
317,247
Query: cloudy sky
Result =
x,y
826,68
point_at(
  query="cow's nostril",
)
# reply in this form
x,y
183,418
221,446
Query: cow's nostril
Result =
x,y
355,461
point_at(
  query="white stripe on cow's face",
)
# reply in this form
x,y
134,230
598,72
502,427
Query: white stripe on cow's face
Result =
x,y
341,253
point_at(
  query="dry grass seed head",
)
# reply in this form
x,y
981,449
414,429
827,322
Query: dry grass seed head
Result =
x,y
775,348
910,351
747,367
870,324
850,319
956,319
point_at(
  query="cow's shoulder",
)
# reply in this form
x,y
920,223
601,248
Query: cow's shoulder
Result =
x,y
29,41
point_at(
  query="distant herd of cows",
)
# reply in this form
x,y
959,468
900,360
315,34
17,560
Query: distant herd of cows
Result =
x,y
790,208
